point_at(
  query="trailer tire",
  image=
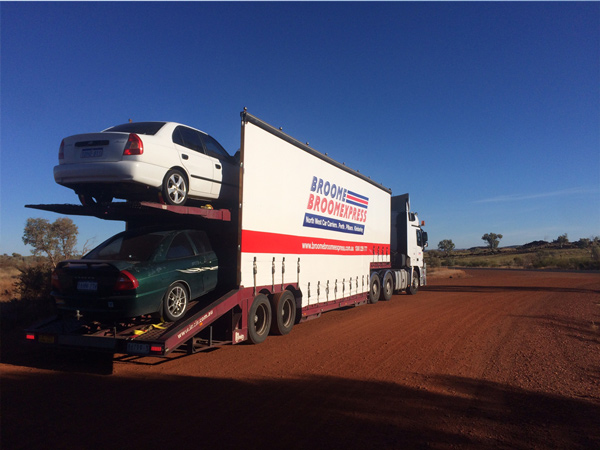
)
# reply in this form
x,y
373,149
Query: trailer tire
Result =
x,y
283,308
387,288
415,284
175,302
259,319
374,288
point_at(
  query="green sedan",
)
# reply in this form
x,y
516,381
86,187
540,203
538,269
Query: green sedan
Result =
x,y
138,272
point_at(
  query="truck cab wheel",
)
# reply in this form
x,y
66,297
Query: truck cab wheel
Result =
x,y
283,308
374,288
414,285
259,319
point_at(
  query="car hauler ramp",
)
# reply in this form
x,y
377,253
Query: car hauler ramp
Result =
x,y
144,337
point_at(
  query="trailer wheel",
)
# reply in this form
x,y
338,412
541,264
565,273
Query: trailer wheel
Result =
x,y
283,308
415,284
259,319
175,302
388,286
374,288
174,188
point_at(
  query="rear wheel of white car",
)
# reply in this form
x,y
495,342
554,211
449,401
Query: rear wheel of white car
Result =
x,y
175,302
175,189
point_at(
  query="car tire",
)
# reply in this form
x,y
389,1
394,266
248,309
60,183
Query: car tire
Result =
x,y
175,302
175,188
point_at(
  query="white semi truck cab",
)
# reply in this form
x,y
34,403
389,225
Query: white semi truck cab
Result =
x,y
408,242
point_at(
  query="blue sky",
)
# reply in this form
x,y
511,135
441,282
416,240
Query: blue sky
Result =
x,y
488,114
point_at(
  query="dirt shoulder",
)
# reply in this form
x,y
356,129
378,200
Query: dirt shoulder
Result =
x,y
503,359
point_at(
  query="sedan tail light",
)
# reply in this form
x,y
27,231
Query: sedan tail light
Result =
x,y
134,145
61,150
126,282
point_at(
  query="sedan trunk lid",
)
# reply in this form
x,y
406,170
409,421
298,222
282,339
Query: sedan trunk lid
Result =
x,y
94,147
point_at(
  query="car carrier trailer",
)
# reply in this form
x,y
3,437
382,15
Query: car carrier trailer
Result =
x,y
308,235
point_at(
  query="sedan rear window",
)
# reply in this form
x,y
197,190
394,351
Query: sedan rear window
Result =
x,y
148,128
128,248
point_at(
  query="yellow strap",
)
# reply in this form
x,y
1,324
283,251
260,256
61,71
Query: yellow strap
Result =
x,y
158,326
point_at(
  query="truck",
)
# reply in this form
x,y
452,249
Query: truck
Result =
x,y
307,235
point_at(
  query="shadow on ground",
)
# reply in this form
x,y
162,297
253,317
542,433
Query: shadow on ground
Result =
x,y
73,410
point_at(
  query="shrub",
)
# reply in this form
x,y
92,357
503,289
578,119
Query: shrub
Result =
x,y
434,262
34,281
33,285
448,262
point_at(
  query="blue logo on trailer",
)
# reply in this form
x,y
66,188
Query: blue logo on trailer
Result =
x,y
346,210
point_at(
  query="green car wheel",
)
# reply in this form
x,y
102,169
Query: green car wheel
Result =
x,y
175,302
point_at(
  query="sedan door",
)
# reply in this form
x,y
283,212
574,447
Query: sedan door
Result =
x,y
183,264
188,143
220,159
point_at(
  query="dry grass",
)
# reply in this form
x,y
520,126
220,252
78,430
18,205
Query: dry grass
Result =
x,y
444,272
8,278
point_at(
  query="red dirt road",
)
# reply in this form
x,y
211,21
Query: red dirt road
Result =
x,y
494,359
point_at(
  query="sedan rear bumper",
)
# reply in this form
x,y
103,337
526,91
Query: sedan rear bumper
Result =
x,y
107,308
73,175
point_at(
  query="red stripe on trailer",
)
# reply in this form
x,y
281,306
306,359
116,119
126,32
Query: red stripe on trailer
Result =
x,y
264,242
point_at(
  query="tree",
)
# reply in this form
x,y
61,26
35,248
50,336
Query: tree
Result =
x,y
446,246
492,239
562,240
55,240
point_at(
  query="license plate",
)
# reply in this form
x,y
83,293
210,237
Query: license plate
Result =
x,y
92,152
140,349
88,286
46,339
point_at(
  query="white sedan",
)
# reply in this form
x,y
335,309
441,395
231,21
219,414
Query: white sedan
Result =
x,y
146,160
